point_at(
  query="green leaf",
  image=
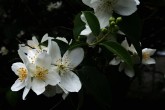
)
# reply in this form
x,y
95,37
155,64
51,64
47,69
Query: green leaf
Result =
x,y
132,27
92,22
12,97
79,25
96,84
77,44
120,51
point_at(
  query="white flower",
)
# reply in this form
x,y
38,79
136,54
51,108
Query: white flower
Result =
x,y
104,8
42,73
123,66
146,53
34,44
55,5
21,71
71,59
4,51
87,31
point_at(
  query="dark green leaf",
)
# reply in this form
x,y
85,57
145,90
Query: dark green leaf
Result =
x,y
77,44
120,51
92,22
96,84
131,26
79,25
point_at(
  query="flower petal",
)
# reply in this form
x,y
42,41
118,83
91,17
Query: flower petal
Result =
x,y
38,86
45,38
17,85
149,51
43,60
70,82
149,61
16,66
125,7
73,58
115,61
54,52
23,56
129,72
33,43
86,2
25,92
53,78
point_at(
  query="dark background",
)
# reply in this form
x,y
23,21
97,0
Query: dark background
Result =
x,y
32,17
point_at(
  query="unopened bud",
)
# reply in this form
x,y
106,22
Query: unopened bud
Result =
x,y
119,19
104,30
112,23
111,19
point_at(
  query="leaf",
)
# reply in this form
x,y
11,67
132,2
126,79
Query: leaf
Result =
x,y
79,25
77,44
96,84
92,22
120,51
12,97
131,26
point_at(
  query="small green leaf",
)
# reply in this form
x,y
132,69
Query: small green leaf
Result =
x,y
79,25
120,51
92,22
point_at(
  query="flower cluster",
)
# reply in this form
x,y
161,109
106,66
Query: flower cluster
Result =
x,y
45,70
44,66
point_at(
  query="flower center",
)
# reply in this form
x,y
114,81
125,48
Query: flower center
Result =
x,y
41,73
22,73
146,56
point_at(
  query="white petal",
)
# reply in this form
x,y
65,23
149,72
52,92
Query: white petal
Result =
x,y
16,66
129,72
64,95
38,86
149,61
115,61
137,2
86,31
33,43
86,2
25,92
62,39
70,82
43,60
17,85
45,38
132,49
53,78
73,58
149,51
54,52
103,17
125,7
23,56
125,44
121,66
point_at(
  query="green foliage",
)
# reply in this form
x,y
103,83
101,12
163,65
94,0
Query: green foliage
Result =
x,y
131,26
79,25
120,51
92,22
96,84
